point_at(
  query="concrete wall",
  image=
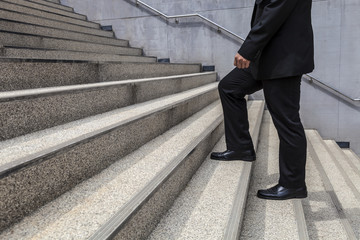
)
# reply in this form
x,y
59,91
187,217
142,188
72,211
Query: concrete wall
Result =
x,y
336,27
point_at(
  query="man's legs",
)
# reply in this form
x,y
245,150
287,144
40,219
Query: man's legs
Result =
x,y
282,97
232,89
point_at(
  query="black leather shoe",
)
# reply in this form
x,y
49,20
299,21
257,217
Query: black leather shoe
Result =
x,y
230,155
281,193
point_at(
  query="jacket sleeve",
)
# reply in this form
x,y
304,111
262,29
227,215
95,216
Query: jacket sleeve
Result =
x,y
274,15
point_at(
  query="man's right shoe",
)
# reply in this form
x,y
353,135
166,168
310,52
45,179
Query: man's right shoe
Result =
x,y
230,155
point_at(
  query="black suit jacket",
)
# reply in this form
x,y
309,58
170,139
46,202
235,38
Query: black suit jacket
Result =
x,y
280,42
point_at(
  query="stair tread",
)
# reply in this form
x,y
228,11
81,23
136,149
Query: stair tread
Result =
x,y
30,53
350,174
48,9
353,158
80,72
79,212
22,149
60,33
21,19
344,194
265,219
53,4
203,209
322,218
47,15
8,39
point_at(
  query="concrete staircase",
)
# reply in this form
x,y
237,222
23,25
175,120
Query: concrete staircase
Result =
x,y
98,141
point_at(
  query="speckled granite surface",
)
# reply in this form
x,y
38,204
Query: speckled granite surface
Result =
x,y
23,112
267,219
79,212
36,184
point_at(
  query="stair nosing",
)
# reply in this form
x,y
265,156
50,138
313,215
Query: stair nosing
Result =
x,y
33,93
233,227
83,61
300,219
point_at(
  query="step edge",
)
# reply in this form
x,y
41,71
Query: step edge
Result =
x,y
300,219
111,228
329,187
42,155
234,223
37,92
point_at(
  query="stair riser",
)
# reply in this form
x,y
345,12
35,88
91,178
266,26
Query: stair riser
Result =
x,y
32,186
31,11
54,5
15,53
22,116
144,220
48,9
47,73
58,33
20,19
19,40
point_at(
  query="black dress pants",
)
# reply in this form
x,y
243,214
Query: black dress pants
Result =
x,y
282,97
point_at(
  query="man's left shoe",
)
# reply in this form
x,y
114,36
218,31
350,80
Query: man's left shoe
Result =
x,y
230,155
281,193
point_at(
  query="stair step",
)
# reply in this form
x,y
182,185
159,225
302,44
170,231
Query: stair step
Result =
x,y
344,195
47,9
28,53
54,1
29,24
31,11
204,209
53,4
55,160
265,219
160,163
26,111
322,218
354,159
47,73
350,174
10,26
30,41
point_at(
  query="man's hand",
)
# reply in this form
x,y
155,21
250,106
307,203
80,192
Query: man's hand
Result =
x,y
241,62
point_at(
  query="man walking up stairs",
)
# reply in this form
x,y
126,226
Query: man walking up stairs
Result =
x,y
98,141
